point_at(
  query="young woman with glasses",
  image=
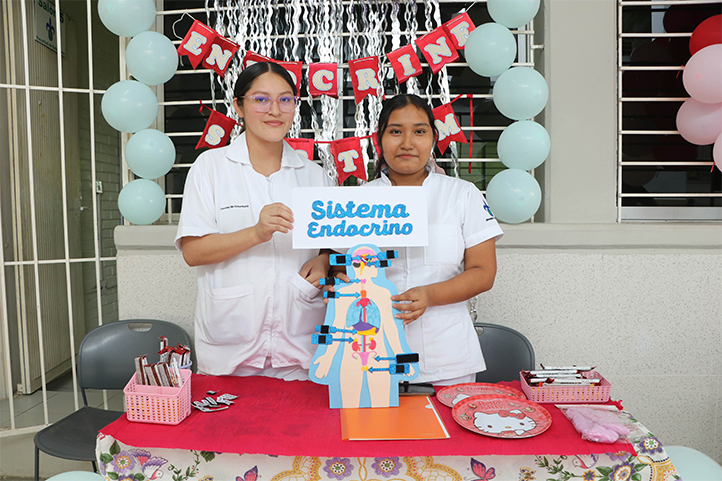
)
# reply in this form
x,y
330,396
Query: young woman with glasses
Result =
x,y
258,299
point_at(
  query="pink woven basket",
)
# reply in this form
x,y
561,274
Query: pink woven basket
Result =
x,y
569,394
158,405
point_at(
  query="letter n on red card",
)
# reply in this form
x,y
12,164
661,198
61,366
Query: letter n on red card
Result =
x,y
437,48
220,55
322,79
458,30
304,147
197,43
217,132
405,62
448,126
364,77
349,158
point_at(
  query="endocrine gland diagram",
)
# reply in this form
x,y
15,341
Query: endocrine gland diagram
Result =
x,y
362,351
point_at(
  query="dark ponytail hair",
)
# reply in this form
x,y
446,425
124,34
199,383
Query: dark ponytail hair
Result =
x,y
398,102
249,74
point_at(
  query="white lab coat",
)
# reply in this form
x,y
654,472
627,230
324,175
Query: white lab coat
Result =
x,y
255,305
459,218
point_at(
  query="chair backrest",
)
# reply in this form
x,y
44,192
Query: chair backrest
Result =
x,y
506,352
107,353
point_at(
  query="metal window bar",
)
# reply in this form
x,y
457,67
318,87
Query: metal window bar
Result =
x,y
525,36
67,260
621,100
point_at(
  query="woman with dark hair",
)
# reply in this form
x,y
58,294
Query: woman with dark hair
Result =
x,y
460,259
258,298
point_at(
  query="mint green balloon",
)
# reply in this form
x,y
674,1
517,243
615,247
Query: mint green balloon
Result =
x,y
142,202
490,49
520,93
129,106
513,195
77,476
513,13
523,145
151,58
127,18
150,154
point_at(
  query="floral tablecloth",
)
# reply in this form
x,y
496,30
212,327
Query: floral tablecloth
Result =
x,y
120,462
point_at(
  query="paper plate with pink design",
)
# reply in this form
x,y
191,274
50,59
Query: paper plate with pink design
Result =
x,y
450,395
502,417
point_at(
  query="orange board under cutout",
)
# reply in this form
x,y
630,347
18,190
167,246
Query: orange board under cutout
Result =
x,y
415,418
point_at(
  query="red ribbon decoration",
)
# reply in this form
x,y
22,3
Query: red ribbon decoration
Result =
x,y
348,155
364,77
471,115
437,48
405,63
304,147
509,414
322,79
458,30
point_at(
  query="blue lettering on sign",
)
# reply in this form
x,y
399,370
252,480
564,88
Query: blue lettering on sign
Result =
x,y
339,211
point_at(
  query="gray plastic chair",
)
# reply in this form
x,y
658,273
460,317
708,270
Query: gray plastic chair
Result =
x,y
105,361
506,352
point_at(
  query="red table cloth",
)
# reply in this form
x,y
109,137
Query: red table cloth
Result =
x,y
292,418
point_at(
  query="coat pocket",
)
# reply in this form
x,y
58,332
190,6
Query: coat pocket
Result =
x,y
444,337
229,315
306,308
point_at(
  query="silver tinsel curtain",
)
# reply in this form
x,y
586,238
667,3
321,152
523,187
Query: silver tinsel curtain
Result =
x,y
330,31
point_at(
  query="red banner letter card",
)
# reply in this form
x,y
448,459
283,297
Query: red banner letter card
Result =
x,y
303,147
448,127
349,158
322,79
294,70
197,43
437,49
364,77
217,132
405,62
252,57
458,30
219,58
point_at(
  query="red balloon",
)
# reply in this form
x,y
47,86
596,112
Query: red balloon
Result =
x,y
707,33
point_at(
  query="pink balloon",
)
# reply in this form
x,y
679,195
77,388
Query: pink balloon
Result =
x,y
699,123
717,152
702,75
